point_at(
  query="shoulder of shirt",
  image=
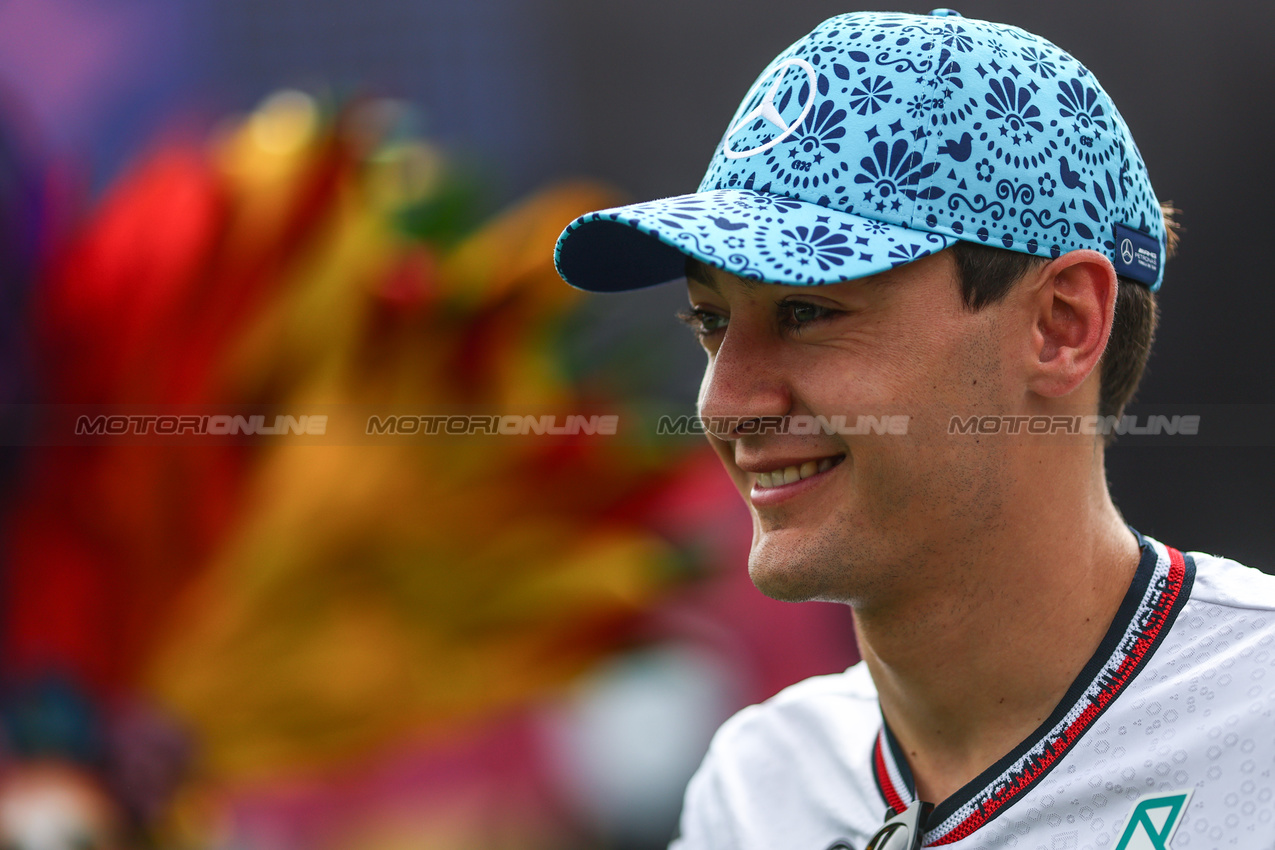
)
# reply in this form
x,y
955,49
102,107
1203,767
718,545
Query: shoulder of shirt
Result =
x,y
1221,581
836,695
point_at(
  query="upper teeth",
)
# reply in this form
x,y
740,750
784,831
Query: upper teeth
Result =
x,y
790,474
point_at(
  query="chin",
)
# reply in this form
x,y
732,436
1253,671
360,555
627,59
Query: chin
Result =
x,y
790,573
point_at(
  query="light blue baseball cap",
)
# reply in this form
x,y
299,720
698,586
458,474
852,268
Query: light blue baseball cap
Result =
x,y
880,138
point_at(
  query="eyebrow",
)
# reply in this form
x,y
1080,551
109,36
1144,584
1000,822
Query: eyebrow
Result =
x,y
699,272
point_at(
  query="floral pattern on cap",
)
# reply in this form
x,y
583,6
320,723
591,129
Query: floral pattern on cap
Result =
x,y
937,128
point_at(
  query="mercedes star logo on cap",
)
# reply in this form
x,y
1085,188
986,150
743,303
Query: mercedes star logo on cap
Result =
x,y
766,109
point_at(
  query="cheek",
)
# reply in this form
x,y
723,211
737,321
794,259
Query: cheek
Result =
x,y
890,475
954,374
878,371
726,452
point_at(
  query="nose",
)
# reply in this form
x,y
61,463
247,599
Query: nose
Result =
x,y
743,381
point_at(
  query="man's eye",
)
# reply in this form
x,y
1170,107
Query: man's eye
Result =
x,y
702,322
795,315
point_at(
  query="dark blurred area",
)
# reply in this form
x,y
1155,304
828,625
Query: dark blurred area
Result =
x,y
307,202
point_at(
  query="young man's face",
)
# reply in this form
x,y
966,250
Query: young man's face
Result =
x,y
900,343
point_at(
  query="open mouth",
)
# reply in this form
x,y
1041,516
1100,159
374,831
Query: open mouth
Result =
x,y
793,474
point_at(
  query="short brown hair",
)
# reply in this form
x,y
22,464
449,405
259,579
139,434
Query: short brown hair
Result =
x,y
988,274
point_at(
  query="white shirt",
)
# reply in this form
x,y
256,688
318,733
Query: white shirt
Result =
x,y
1165,740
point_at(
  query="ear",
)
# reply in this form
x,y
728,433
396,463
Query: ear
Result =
x,y
1072,310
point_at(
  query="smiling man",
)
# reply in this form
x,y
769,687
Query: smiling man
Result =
x,y
930,220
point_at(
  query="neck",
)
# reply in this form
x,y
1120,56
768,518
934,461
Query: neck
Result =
x,y
969,668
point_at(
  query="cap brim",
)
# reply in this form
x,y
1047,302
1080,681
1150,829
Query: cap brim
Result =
x,y
771,238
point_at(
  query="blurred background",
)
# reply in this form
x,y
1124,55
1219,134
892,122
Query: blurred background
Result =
x,y
455,643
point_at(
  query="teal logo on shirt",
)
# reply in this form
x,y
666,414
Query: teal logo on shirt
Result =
x,y
1153,821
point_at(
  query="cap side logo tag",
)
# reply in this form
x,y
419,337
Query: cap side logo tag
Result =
x,y
1153,821
1137,255
766,110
